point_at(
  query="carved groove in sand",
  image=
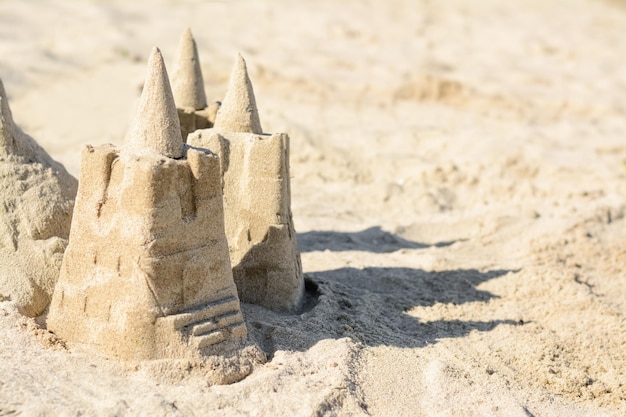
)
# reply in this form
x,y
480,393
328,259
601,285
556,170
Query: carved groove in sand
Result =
x,y
146,274
257,199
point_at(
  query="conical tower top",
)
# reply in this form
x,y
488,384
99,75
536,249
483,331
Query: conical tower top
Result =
x,y
157,126
7,127
238,112
187,81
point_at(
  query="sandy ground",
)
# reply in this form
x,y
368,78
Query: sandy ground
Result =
x,y
459,189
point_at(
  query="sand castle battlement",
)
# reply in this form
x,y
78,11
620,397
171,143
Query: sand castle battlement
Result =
x,y
147,274
257,199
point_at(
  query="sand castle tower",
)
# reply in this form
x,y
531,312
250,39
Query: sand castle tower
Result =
x,y
188,89
36,205
257,199
146,274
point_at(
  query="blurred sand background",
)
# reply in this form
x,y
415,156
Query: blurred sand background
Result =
x,y
459,189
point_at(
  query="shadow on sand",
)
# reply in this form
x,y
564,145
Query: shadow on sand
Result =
x,y
373,239
370,305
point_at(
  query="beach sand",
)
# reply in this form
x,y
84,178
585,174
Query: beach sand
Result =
x,y
458,187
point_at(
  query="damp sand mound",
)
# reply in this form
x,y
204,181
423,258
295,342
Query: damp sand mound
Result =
x,y
35,213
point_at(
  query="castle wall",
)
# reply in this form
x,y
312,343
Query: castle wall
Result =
x,y
147,243
257,212
192,119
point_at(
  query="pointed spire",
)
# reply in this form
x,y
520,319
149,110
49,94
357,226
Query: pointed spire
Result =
x,y
5,111
7,127
238,112
157,126
187,82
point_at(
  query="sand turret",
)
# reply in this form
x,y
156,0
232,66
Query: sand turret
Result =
x,y
7,127
188,84
238,112
188,87
36,206
257,199
157,126
146,274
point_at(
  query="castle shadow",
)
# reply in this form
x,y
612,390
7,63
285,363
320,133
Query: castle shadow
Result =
x,y
373,306
373,239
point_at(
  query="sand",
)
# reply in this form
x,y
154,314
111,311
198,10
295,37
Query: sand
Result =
x,y
458,188
35,212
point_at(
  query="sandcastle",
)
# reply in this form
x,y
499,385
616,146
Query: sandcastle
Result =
x,y
35,214
188,89
157,225
147,274
257,199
